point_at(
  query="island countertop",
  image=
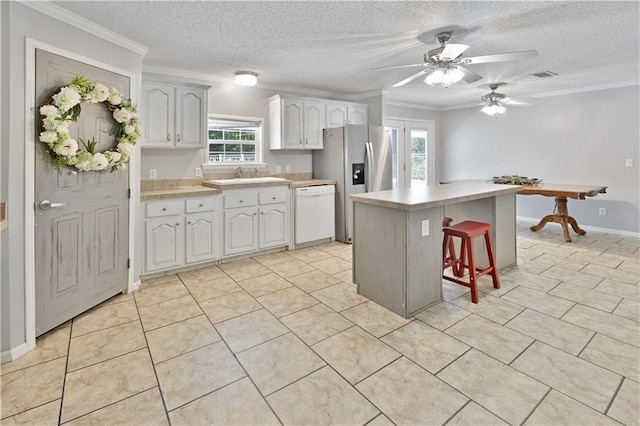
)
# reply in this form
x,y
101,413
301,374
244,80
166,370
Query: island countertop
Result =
x,y
412,199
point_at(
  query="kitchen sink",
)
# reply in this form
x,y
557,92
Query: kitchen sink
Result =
x,y
236,181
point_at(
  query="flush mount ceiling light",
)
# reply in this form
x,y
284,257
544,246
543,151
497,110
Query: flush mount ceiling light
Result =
x,y
246,78
444,76
492,106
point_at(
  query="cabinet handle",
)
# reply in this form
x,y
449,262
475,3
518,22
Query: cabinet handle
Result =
x,y
301,141
168,137
240,201
178,138
164,209
201,205
306,141
189,223
254,214
273,198
177,224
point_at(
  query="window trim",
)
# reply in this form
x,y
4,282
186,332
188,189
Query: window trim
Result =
x,y
207,166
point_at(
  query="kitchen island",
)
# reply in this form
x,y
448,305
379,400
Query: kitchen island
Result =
x,y
397,246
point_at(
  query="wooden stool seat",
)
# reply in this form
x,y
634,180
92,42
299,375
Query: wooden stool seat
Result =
x,y
466,231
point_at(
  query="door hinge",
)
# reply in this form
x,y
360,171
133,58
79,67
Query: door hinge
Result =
x,y
129,193
129,263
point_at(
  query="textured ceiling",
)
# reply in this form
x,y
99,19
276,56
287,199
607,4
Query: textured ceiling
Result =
x,y
331,46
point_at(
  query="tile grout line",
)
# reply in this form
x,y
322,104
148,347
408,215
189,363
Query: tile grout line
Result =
x,y
535,407
64,378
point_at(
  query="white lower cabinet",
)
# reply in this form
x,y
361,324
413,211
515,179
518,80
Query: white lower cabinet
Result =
x,y
256,219
180,232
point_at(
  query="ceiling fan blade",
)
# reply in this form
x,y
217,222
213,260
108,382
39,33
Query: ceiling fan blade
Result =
x,y
413,77
500,57
452,51
399,66
469,76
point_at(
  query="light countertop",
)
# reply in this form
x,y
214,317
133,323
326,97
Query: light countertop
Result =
x,y
311,182
177,191
433,196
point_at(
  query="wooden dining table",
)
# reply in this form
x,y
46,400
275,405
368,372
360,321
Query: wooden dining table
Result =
x,y
562,192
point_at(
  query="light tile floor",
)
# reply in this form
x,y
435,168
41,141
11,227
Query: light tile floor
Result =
x,y
284,338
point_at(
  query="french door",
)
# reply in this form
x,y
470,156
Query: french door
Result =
x,y
413,153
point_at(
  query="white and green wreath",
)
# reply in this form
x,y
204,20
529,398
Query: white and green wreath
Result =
x,y
62,108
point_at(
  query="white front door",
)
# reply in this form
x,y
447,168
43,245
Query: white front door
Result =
x,y
413,153
81,235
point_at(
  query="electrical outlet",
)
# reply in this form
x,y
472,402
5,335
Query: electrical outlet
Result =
x,y
425,227
153,173
278,169
602,211
628,162
288,168
198,172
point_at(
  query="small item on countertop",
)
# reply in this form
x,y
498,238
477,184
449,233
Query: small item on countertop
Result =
x,y
515,180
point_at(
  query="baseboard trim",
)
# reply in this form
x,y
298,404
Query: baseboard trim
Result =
x,y
134,286
14,353
589,228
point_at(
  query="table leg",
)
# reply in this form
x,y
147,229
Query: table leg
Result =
x,y
561,216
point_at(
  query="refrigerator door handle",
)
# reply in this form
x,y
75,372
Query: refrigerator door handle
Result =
x,y
369,166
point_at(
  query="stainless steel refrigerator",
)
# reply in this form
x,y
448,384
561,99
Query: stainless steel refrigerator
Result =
x,y
359,159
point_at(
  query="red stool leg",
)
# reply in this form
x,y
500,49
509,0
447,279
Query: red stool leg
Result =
x,y
492,260
472,270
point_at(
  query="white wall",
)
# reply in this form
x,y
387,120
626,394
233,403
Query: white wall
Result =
x,y
227,99
575,139
18,23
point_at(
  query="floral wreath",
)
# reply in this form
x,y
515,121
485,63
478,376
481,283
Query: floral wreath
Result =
x,y
63,107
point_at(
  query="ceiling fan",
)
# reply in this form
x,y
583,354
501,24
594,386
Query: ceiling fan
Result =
x,y
493,103
443,65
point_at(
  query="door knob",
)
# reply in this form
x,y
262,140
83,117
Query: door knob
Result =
x,y
46,205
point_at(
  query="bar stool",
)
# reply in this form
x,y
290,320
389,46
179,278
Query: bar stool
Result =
x,y
466,231
448,248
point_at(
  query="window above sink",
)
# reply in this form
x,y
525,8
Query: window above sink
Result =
x,y
233,141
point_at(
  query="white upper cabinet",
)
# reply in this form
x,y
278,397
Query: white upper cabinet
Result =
x,y
174,115
341,114
295,123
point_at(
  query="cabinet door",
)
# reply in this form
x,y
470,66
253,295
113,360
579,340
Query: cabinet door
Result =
x,y
292,133
201,237
159,115
274,225
314,122
240,230
164,243
357,114
190,124
336,115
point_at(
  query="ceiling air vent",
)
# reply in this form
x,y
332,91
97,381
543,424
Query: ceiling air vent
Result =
x,y
545,74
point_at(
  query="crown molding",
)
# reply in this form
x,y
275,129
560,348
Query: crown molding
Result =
x,y
414,105
370,94
201,77
84,24
617,85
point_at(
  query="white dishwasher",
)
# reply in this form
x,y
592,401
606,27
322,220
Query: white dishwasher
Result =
x,y
315,217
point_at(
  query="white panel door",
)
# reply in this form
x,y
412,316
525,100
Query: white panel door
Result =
x,y
190,125
336,115
82,218
274,222
314,122
158,117
357,115
201,237
240,230
292,124
165,243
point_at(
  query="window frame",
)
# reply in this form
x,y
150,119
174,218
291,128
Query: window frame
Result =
x,y
259,145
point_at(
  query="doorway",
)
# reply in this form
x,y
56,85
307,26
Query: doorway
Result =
x,y
413,153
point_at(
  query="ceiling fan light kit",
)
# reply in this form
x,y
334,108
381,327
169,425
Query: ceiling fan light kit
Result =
x,y
444,76
246,78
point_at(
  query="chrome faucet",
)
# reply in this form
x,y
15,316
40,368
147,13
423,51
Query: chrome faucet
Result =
x,y
239,170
